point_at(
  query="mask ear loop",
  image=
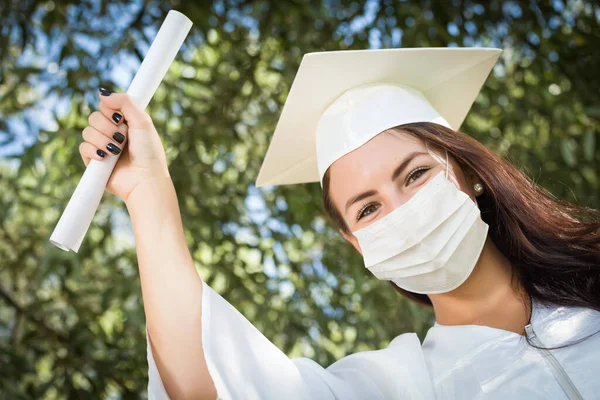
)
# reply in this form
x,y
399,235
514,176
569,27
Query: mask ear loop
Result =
x,y
446,164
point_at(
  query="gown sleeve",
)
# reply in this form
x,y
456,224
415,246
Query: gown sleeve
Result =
x,y
244,364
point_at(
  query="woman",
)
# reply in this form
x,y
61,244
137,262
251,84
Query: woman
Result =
x,y
510,271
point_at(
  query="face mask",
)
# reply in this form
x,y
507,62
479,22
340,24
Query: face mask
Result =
x,y
428,245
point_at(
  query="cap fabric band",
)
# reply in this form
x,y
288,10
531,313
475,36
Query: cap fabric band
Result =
x,y
362,113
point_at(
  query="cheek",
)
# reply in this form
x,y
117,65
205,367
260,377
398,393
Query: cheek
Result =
x,y
462,182
463,185
350,220
337,207
352,240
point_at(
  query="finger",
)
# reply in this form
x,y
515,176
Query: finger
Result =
x,y
86,160
124,107
89,152
114,116
101,123
100,141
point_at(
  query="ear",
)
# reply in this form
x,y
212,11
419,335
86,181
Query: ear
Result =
x,y
352,239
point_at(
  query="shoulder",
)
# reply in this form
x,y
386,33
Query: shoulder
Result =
x,y
560,325
397,371
402,351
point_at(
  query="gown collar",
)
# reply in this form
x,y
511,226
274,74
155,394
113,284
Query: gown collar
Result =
x,y
554,325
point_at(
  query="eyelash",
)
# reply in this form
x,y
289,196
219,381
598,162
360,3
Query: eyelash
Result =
x,y
362,210
408,178
414,171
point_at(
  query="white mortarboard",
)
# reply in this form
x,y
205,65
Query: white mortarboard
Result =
x,y
341,99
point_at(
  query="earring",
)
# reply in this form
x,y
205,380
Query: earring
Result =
x,y
478,187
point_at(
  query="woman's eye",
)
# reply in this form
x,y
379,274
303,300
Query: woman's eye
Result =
x,y
415,174
368,209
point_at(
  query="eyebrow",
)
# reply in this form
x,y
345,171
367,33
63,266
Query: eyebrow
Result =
x,y
359,197
395,175
404,163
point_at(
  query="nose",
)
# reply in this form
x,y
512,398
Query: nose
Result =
x,y
393,198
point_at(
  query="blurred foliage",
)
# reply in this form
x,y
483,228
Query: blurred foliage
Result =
x,y
72,325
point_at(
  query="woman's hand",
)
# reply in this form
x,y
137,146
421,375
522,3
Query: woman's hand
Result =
x,y
121,126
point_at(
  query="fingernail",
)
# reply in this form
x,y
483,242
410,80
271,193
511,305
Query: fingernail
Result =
x,y
118,136
101,153
113,149
104,92
117,117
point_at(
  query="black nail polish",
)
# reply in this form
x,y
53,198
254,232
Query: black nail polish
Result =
x,y
113,149
117,117
101,153
118,136
104,92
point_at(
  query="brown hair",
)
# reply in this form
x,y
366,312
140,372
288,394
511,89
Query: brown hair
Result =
x,y
553,246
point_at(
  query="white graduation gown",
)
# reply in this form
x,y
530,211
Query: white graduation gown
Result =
x,y
455,362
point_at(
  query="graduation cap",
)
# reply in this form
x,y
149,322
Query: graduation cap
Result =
x,y
341,99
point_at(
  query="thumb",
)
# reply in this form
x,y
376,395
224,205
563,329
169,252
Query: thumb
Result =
x,y
136,117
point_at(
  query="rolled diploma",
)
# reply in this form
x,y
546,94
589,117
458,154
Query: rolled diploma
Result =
x,y
75,220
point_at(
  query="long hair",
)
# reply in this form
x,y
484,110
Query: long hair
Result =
x,y
552,245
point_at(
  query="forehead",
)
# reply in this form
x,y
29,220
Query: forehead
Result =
x,y
371,163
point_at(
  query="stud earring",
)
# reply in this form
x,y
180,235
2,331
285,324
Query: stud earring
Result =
x,y
478,187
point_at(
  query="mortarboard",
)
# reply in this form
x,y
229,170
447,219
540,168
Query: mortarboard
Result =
x,y
339,100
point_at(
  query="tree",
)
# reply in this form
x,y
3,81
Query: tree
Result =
x,y
72,325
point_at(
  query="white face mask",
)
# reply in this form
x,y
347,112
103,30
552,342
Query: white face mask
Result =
x,y
428,245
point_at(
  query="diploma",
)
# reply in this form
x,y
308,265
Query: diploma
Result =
x,y
77,216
